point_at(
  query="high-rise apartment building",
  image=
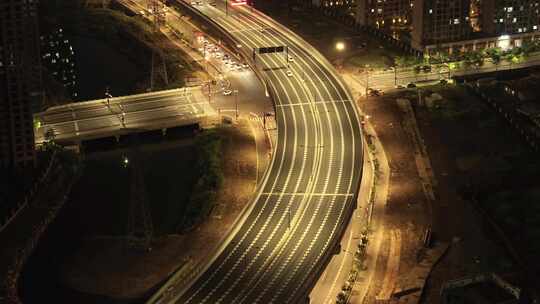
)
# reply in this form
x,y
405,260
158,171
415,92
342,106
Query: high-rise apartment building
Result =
x,y
501,17
384,14
339,7
440,21
20,81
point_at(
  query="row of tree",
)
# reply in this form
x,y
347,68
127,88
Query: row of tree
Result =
x,y
471,58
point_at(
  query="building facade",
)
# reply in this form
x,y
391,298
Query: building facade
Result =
x,y
384,14
337,7
20,81
58,58
440,21
500,17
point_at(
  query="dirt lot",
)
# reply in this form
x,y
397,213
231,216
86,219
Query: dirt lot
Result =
x,y
455,136
406,208
104,266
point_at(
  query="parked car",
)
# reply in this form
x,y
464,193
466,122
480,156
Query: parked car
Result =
x,y
374,92
411,85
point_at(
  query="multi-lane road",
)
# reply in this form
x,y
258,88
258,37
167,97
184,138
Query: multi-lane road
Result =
x,y
303,204
385,80
118,115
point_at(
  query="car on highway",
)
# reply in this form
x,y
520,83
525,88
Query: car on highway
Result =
x,y
289,73
227,92
374,92
399,86
291,59
411,85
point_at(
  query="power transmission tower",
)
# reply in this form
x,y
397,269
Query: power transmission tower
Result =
x,y
140,229
158,15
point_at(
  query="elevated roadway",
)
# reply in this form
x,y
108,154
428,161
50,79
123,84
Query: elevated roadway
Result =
x,y
304,202
117,116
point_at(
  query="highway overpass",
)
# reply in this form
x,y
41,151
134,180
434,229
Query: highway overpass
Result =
x,y
281,244
76,122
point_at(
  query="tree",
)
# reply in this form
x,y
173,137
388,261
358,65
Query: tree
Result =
x,y
495,54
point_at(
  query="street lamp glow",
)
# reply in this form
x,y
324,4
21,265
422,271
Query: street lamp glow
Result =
x,y
503,42
340,46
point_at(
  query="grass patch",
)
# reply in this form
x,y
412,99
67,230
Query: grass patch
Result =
x,y
375,58
208,174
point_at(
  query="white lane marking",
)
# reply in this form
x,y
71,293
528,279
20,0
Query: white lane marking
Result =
x,y
262,209
309,193
288,177
337,185
315,102
280,221
326,179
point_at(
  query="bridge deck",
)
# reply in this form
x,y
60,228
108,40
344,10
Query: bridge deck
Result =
x,y
122,115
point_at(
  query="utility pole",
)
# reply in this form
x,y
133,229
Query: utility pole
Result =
x,y
156,8
109,96
236,102
209,91
367,81
140,228
287,55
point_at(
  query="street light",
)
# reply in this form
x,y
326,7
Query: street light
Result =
x,y
340,46
236,102
367,80
108,95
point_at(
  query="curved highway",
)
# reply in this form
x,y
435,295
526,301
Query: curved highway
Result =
x,y
309,191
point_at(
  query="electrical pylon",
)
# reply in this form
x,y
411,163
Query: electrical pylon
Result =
x,y
158,15
140,229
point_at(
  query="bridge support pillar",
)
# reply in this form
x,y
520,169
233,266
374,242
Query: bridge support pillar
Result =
x,y
164,132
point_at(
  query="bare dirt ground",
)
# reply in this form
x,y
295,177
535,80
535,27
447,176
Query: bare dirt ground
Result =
x,y
473,249
405,209
104,266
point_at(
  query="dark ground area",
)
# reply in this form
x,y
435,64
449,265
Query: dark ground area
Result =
x,y
474,247
112,49
84,251
482,164
98,207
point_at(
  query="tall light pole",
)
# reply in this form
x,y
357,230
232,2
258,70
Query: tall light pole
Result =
x,y
236,102
108,95
289,217
367,80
